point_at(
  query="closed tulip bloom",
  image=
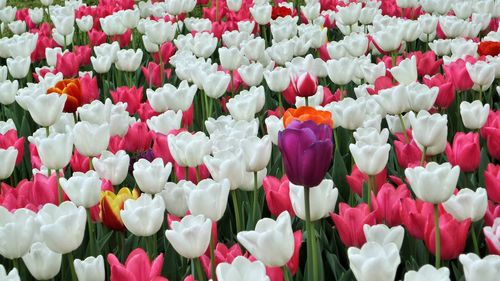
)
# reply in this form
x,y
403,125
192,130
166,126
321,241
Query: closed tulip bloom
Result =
x,y
90,269
83,189
474,115
42,262
388,39
17,231
306,149
374,262
191,236
152,176
323,199
429,131
242,269
231,58
208,198
278,79
7,162
252,74
160,31
189,149
101,64
85,23
421,97
434,183
305,85
137,267
113,167
384,235
394,100
491,179
62,227
370,159
482,74
91,139
175,197
143,216
350,221
492,237
465,151
111,204
169,97
406,72
257,152
428,272
128,60
215,84
271,242
477,269
19,67
341,71
165,122
262,13
46,109
8,91
13,275
278,195
467,204
55,150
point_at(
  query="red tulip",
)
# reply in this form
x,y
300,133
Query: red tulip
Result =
x,y
356,179
459,75
152,74
278,195
349,223
465,152
79,163
492,182
415,214
305,85
83,53
388,204
222,254
10,139
492,135
446,94
68,64
137,267
132,96
492,213
90,91
453,236
145,111
427,64
407,153
181,173
137,139
167,50
96,37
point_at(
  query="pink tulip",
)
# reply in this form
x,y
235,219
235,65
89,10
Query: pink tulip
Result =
x,y
96,37
465,152
492,182
388,204
137,139
278,195
167,50
323,52
329,97
407,153
492,213
79,163
68,64
132,96
415,214
188,117
181,173
427,64
492,238
36,162
10,139
492,135
152,74
160,145
305,85
89,89
83,53
290,94
459,75
357,178
137,267
349,223
19,197
145,111
446,94
44,41
453,236
124,39
222,254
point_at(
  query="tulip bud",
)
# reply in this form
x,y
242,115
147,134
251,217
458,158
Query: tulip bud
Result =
x,y
215,84
257,152
208,198
113,167
482,74
128,60
143,216
272,242
91,139
474,115
406,72
90,269
428,272
191,236
323,199
262,13
46,109
189,149
340,71
384,235
8,91
374,262
17,231
434,183
7,162
85,23
175,197
55,150
83,189
242,269
42,262
467,204
19,67
477,269
278,79
492,235
430,131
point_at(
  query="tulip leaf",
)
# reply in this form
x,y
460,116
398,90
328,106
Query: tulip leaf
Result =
x,y
335,265
457,272
483,165
339,176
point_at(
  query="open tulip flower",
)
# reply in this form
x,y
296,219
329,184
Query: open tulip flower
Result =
x,y
372,126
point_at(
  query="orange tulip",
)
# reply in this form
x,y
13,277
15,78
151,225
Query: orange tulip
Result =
x,y
71,88
305,113
112,203
488,48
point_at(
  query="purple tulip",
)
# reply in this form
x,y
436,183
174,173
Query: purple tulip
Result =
x,y
306,149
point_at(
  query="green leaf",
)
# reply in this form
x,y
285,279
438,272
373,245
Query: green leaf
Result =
x,y
483,165
339,175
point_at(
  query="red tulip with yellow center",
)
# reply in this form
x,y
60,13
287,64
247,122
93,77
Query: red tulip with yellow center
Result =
x,y
111,204
71,88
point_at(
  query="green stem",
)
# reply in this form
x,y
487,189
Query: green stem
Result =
x,y
371,187
437,237
15,264
255,199
394,56
186,171
307,101
474,239
91,234
280,104
212,259
47,131
311,239
424,154
286,273
236,210
59,188
403,126
199,270
481,93
197,174
72,266
91,166
336,138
